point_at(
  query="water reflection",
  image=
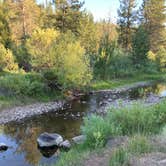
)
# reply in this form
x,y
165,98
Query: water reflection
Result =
x,y
21,137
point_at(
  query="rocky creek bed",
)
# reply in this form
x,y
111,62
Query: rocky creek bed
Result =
x,y
23,125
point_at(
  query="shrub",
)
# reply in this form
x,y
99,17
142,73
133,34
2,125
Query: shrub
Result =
x,y
113,64
23,85
96,130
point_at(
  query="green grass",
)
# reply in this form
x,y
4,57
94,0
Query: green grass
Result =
x,y
138,122
74,157
136,146
114,83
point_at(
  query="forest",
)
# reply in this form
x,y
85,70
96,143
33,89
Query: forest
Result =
x,y
57,46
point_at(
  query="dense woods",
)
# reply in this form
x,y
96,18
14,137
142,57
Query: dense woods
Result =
x,y
60,43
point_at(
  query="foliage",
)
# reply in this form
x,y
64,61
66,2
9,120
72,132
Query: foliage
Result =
x,y
153,18
135,119
126,21
112,62
40,48
5,34
161,57
23,85
7,60
96,130
68,16
23,19
140,47
138,119
71,64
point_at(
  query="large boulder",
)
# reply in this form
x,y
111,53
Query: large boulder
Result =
x,y
49,140
3,147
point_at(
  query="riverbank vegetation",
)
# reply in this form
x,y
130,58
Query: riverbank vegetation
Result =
x,y
138,123
58,47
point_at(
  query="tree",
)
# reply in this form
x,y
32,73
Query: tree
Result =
x,y
68,15
154,18
5,34
161,57
62,54
126,20
24,18
7,60
89,36
140,47
40,48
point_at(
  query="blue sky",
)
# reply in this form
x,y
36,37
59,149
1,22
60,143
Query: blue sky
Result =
x,y
102,8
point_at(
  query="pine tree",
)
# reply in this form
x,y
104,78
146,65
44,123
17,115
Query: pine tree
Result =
x,y
5,34
24,18
126,20
154,18
68,15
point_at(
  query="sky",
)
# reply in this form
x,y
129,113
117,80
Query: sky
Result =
x,y
102,8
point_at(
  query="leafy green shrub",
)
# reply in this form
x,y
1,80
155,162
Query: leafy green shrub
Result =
x,y
113,62
23,85
96,130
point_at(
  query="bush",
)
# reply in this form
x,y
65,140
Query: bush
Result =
x,y
51,79
62,55
116,64
96,130
23,85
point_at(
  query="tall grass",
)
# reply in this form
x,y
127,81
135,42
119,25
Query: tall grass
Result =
x,y
131,120
136,146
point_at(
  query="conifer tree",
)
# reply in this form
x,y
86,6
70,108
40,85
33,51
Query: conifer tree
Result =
x,y
126,20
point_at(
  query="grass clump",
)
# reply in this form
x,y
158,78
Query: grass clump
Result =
x,y
74,157
136,146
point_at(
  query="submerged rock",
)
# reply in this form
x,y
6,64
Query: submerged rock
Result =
x,y
3,147
49,139
79,139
